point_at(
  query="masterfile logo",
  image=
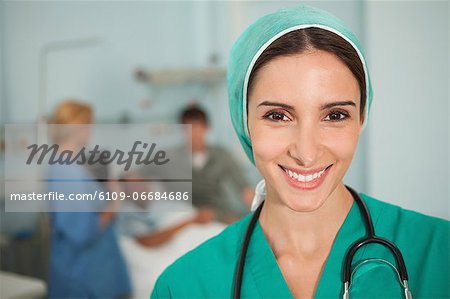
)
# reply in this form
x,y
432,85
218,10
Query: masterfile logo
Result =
x,y
79,167
146,156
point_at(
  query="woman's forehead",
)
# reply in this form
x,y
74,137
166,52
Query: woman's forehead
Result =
x,y
319,77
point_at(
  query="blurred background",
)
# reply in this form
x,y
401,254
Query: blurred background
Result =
x,y
144,62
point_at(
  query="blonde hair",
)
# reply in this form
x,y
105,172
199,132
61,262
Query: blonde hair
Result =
x,y
69,112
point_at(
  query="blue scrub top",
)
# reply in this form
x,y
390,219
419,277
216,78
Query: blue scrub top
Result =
x,y
85,260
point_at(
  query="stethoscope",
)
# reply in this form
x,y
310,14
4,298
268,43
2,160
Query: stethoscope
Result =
x,y
347,273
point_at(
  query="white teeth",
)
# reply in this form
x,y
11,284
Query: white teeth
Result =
x,y
302,178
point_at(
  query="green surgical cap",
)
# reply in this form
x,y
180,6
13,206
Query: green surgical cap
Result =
x,y
256,38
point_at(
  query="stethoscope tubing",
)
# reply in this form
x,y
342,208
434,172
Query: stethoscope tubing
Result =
x,y
244,249
370,238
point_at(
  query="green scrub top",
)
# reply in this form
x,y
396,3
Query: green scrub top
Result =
x,y
208,271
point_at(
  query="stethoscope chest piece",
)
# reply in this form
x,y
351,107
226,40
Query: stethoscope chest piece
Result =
x,y
404,283
371,238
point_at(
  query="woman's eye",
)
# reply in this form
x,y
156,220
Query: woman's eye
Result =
x,y
336,116
276,116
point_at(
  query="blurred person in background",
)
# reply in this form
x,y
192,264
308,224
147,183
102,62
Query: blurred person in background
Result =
x,y
143,221
85,258
213,167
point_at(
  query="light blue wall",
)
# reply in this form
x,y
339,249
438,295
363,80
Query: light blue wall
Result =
x,y
402,158
130,35
409,126
2,69
2,95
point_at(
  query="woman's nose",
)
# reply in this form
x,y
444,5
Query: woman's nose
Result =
x,y
305,145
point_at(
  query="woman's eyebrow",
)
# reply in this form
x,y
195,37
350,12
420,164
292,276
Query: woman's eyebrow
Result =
x,y
276,104
339,103
323,107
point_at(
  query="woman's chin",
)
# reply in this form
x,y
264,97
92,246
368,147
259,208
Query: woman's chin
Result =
x,y
304,205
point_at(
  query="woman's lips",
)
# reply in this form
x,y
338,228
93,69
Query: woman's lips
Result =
x,y
307,181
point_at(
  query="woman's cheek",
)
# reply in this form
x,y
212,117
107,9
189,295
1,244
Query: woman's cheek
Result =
x,y
343,144
268,144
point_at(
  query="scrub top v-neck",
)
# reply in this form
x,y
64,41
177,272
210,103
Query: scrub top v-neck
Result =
x,y
268,276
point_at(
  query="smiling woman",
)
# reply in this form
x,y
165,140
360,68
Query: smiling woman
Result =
x,y
300,93
303,118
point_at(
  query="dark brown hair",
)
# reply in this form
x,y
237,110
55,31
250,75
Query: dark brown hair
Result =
x,y
193,112
310,39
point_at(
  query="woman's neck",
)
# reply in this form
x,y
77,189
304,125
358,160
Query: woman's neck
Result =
x,y
305,233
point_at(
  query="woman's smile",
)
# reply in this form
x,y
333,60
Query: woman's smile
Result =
x,y
305,180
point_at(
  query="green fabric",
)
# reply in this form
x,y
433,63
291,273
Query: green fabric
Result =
x,y
210,183
257,37
208,270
